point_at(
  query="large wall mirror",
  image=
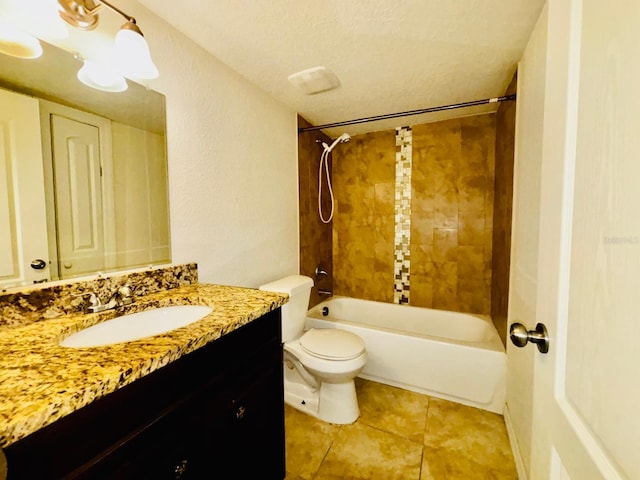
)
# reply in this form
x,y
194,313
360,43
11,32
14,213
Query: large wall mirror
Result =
x,y
83,173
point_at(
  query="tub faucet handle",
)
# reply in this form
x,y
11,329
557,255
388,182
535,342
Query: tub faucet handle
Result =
x,y
320,272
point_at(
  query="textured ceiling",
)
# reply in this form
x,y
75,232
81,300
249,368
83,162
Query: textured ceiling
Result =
x,y
390,55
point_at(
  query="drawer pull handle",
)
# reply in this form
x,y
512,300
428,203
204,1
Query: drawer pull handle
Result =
x,y
240,413
180,469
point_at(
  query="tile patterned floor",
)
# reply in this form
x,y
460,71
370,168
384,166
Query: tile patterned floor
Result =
x,y
400,435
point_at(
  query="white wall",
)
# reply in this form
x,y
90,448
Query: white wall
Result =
x,y
232,164
524,240
140,196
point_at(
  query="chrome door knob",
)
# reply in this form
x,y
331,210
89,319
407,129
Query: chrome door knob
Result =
x,y
520,336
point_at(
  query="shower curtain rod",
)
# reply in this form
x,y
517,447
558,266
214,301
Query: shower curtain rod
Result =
x,y
410,112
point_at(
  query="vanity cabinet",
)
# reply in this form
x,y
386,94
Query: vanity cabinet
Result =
x,y
217,412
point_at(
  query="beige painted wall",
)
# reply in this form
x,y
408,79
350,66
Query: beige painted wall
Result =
x,y
233,178
524,241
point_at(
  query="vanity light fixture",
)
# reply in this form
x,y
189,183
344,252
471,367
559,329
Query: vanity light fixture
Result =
x,y
131,51
17,43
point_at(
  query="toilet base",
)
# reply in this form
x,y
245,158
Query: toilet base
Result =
x,y
333,402
338,403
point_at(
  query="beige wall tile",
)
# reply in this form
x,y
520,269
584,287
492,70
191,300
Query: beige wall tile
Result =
x,y
316,245
452,184
471,228
421,290
421,227
473,293
421,260
422,166
421,203
384,197
445,213
445,244
503,191
364,187
471,262
445,285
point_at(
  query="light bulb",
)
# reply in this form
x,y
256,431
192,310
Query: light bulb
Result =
x,y
132,55
17,43
100,77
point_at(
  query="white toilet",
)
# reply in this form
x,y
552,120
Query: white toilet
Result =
x,y
320,364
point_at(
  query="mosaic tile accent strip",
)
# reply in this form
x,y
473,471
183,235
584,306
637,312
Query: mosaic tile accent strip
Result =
x,y
25,305
402,241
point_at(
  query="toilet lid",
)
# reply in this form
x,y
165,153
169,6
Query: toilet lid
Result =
x,y
332,344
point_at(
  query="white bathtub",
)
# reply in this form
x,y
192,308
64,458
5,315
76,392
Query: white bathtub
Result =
x,y
455,356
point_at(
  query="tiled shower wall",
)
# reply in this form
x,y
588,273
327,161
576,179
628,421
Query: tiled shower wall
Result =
x,y
363,224
505,145
315,236
451,215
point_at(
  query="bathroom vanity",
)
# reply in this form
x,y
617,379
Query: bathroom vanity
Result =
x,y
217,408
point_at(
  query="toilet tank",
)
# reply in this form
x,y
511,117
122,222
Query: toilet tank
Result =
x,y
294,312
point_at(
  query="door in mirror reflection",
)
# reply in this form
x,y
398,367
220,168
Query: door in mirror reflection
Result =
x,y
22,205
77,170
106,185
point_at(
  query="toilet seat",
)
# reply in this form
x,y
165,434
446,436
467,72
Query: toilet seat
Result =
x,y
315,363
332,344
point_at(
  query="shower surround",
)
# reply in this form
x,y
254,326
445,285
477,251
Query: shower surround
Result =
x,y
450,222
315,236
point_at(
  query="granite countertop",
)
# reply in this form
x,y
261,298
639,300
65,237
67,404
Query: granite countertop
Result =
x,y
41,381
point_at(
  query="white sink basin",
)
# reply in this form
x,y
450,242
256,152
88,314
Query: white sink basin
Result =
x,y
135,326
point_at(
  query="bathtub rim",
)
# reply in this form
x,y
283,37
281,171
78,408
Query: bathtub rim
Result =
x,y
494,343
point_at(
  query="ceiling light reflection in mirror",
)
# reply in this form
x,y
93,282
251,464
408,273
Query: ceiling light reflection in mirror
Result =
x,y
129,56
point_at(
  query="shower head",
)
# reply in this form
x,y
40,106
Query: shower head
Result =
x,y
345,137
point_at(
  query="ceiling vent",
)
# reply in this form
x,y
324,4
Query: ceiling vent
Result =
x,y
314,80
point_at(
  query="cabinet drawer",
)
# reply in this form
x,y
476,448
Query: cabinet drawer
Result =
x,y
240,426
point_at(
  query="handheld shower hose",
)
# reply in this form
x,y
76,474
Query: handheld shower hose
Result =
x,y
324,159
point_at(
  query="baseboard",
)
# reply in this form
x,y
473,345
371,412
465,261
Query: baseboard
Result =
x,y
517,456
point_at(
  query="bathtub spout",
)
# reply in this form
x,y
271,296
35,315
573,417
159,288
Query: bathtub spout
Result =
x,y
326,293
306,376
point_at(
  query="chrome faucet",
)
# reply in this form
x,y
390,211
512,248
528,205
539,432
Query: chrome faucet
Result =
x,y
121,296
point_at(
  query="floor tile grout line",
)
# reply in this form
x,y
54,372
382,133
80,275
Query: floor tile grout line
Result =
x,y
397,435
324,457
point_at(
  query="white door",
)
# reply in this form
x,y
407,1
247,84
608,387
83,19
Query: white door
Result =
x,y
78,195
23,224
587,388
